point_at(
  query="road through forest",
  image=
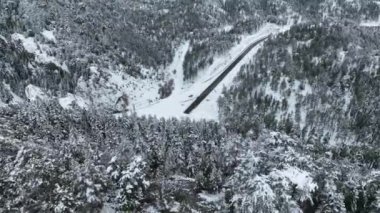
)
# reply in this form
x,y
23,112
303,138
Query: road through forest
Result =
x,y
220,78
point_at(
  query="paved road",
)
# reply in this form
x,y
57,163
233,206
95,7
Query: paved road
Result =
x,y
220,78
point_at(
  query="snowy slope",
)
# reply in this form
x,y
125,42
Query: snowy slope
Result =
x,y
41,51
33,93
186,92
371,23
375,23
107,84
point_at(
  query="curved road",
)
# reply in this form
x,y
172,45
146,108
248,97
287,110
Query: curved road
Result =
x,y
220,78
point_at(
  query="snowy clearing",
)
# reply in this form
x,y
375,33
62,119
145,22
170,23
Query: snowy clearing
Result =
x,y
34,93
70,99
371,24
300,178
185,92
41,51
49,35
211,198
375,23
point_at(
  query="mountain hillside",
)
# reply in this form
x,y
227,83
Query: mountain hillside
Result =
x,y
313,79
93,94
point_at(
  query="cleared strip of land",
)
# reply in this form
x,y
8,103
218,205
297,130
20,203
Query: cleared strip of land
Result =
x,y
220,78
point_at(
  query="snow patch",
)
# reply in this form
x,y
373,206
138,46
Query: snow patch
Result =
x,y
3,38
182,178
49,35
300,178
151,209
108,85
211,198
347,100
2,104
374,23
70,99
305,88
262,193
226,28
34,93
60,207
28,43
176,207
41,51
341,56
107,208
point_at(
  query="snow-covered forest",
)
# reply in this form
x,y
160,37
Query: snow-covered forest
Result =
x,y
92,95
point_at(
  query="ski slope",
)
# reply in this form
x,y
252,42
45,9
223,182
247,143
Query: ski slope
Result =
x,y
185,92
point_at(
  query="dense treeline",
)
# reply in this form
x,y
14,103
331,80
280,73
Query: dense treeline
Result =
x,y
108,35
53,160
299,129
313,79
130,35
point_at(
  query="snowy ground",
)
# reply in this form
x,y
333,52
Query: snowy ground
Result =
x,y
371,23
375,23
186,92
40,50
143,93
